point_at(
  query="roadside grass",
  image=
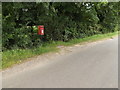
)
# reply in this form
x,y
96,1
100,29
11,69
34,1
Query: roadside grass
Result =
x,y
12,57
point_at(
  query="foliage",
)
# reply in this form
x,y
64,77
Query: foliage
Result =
x,y
62,21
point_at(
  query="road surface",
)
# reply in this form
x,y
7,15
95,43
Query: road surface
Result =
x,y
91,66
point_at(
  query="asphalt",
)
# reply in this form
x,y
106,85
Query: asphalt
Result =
x,y
90,66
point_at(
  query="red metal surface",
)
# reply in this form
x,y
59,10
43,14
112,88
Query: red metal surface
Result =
x,y
40,30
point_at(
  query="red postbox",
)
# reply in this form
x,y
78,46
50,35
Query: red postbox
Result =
x,y
41,30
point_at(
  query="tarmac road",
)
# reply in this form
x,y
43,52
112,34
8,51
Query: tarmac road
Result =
x,y
94,66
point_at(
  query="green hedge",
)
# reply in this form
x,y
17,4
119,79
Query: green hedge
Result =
x,y
62,21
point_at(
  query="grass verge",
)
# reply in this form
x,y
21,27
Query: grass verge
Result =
x,y
12,57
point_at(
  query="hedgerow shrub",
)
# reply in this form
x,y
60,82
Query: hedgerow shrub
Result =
x,y
62,21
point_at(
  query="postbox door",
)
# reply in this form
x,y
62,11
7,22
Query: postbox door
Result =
x,y
41,30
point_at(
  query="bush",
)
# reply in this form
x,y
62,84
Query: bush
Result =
x,y
62,21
